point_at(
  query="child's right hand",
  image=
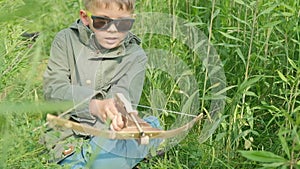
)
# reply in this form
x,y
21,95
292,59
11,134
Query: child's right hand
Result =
x,y
106,110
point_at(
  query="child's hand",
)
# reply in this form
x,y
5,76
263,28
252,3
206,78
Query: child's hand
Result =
x,y
106,110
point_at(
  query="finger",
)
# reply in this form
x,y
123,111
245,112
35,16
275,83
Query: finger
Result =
x,y
109,113
114,124
120,121
103,116
113,108
111,127
135,112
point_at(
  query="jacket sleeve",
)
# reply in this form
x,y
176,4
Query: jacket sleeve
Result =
x,y
131,83
59,83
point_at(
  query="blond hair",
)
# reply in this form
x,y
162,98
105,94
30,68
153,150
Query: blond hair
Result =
x,y
123,4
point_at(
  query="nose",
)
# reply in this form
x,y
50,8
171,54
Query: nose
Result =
x,y
112,28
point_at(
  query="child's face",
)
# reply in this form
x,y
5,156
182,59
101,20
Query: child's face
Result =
x,y
111,35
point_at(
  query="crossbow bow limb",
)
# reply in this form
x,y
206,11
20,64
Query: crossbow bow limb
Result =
x,y
135,127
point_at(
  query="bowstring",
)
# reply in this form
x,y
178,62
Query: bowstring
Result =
x,y
169,111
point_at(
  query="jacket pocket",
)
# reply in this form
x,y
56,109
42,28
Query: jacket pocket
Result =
x,y
61,144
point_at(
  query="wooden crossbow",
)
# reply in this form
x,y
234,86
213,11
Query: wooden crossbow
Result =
x,y
135,127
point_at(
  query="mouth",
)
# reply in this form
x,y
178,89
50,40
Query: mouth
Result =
x,y
111,40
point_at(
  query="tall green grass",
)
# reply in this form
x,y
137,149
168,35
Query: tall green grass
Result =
x,y
258,43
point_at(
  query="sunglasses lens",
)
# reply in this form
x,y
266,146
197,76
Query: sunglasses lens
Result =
x,y
124,25
99,23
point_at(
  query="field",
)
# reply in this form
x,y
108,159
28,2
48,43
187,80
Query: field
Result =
x,y
241,56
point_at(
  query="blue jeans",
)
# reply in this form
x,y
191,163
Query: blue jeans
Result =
x,y
102,153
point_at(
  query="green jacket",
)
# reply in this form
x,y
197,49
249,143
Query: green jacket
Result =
x,y
80,69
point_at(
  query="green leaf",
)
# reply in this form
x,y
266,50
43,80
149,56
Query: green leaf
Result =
x,y
248,83
284,144
282,77
223,91
193,24
216,13
287,14
209,128
249,93
268,10
240,54
189,103
262,156
241,21
199,7
273,165
231,37
272,24
240,2
293,64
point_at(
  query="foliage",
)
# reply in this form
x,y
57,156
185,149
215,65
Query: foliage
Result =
x,y
258,43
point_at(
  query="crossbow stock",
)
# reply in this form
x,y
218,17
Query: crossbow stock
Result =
x,y
135,127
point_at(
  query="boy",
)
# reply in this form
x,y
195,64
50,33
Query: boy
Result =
x,y
93,60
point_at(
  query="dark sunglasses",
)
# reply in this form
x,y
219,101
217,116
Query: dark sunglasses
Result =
x,y
103,23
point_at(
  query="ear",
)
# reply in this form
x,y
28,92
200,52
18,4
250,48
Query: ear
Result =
x,y
84,18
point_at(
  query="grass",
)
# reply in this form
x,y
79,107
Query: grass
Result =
x,y
258,43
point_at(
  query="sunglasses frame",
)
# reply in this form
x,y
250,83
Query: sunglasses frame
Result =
x,y
110,21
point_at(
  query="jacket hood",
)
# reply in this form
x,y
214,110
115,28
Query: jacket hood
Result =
x,y
85,34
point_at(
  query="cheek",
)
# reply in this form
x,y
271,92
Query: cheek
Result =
x,y
99,35
123,35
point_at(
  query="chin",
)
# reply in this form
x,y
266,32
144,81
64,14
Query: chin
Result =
x,y
110,46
